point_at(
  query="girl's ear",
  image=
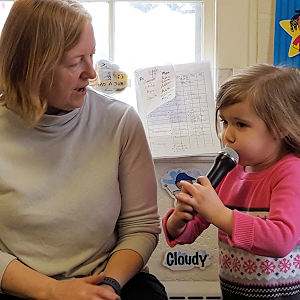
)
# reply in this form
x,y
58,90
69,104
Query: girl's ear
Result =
x,y
283,133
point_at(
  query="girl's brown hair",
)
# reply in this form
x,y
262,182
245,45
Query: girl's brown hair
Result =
x,y
34,38
274,92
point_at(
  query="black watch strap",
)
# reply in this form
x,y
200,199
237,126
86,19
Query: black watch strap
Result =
x,y
113,283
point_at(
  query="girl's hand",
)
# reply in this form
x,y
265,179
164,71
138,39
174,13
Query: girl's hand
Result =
x,y
182,214
83,289
205,201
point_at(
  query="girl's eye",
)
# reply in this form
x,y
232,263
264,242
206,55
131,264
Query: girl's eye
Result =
x,y
241,124
223,122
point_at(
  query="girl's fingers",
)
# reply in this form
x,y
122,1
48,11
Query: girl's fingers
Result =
x,y
188,188
188,217
185,198
192,188
181,206
203,180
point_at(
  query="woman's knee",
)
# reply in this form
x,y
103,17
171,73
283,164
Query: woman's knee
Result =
x,y
144,286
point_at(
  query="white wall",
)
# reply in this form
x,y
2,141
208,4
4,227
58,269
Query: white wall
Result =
x,y
244,34
200,282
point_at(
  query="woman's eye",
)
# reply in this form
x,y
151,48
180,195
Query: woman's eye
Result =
x,y
74,64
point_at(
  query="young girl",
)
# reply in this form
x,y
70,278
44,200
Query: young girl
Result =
x,y
257,205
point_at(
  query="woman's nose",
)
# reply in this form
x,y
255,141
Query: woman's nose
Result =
x,y
89,72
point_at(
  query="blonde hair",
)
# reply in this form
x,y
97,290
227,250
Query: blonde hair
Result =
x,y
34,38
274,92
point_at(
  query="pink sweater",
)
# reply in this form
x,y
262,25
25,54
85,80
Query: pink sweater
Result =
x,y
264,249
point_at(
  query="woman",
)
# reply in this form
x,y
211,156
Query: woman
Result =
x,y
78,212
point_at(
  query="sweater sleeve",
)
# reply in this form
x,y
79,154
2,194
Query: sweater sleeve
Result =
x,y
138,223
278,234
5,259
192,230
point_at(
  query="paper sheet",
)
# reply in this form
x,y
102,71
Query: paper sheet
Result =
x,y
155,86
185,125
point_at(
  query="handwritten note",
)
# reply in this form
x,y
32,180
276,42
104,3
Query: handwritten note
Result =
x,y
185,125
155,86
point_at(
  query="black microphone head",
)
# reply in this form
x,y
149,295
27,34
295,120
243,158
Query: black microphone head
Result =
x,y
230,153
225,161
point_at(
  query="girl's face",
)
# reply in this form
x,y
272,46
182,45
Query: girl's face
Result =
x,y
65,90
248,135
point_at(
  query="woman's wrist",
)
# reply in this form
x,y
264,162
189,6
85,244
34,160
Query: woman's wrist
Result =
x,y
50,291
112,283
22,281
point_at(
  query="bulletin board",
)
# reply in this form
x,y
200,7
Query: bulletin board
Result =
x,y
287,33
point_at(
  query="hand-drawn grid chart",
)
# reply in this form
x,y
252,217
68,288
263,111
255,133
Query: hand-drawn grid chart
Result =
x,y
185,125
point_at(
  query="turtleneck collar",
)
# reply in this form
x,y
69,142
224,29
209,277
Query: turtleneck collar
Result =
x,y
57,120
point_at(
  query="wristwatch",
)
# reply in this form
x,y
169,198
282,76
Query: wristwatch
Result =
x,y
113,283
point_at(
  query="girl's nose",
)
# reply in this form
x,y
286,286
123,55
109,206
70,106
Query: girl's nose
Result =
x,y
228,135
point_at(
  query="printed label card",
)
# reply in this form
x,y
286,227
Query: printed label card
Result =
x,y
181,261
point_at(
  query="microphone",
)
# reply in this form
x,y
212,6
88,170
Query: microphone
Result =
x,y
225,161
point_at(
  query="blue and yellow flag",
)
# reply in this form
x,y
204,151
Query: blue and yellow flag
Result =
x,y
287,33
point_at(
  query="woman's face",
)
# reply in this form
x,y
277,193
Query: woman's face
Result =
x,y
245,132
67,88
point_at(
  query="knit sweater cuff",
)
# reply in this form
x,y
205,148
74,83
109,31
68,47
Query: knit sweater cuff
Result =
x,y
170,242
242,231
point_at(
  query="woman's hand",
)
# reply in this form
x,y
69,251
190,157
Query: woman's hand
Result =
x,y
83,289
205,201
